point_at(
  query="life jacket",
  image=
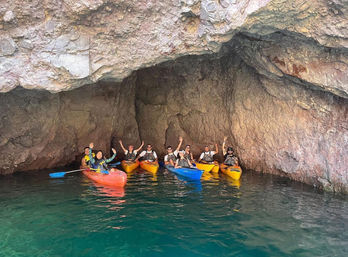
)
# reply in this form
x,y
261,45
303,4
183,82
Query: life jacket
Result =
x,y
208,157
171,157
100,165
230,159
188,156
149,156
130,156
183,163
87,160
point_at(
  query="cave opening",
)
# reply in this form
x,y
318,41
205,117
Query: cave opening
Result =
x,y
276,116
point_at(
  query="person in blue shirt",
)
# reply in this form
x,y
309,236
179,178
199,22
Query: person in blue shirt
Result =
x,y
99,163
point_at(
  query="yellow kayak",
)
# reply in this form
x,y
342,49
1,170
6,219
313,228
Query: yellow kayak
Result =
x,y
215,169
233,172
128,166
204,166
149,166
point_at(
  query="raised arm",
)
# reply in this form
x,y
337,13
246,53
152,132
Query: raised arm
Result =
x,y
91,159
112,157
224,146
180,143
122,146
216,149
141,146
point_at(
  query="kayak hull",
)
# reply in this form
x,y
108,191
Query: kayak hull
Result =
x,y
116,178
194,174
216,168
149,166
129,166
233,172
204,166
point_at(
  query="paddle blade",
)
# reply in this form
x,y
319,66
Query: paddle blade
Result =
x,y
57,174
114,164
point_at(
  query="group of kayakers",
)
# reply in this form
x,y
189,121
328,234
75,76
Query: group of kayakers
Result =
x,y
177,158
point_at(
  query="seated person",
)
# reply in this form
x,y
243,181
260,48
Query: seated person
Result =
x,y
148,155
188,153
171,156
182,162
99,163
85,161
130,154
230,158
208,156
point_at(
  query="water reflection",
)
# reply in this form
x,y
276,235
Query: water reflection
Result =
x,y
195,184
233,182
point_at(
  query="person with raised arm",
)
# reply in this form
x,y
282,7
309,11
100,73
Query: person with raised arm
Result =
x,y
208,156
99,162
130,154
171,156
229,158
148,155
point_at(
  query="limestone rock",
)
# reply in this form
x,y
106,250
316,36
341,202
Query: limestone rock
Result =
x,y
73,43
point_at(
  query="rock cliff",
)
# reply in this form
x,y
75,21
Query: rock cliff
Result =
x,y
270,74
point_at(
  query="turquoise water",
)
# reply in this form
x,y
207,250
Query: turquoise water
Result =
x,y
166,216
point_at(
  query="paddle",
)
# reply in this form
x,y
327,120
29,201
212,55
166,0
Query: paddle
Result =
x,y
62,174
114,164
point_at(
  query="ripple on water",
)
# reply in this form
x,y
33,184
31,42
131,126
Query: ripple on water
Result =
x,y
166,215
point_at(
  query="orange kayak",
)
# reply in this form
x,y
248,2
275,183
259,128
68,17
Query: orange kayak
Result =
x,y
149,166
128,166
115,178
233,172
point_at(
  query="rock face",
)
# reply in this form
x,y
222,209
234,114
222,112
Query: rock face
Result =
x,y
43,130
280,127
60,45
270,74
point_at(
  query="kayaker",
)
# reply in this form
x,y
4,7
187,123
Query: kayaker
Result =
x,y
208,156
148,155
188,153
230,158
182,162
85,161
171,156
99,163
130,154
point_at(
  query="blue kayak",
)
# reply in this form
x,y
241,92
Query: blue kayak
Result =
x,y
192,173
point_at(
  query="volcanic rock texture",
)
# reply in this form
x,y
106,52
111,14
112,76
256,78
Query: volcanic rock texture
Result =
x,y
270,74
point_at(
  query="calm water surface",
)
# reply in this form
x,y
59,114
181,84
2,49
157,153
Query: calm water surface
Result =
x,y
168,216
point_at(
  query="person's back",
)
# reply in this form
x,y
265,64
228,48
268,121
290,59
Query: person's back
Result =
x,y
182,162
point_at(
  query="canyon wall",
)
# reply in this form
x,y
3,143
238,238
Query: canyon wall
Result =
x,y
43,130
279,127
270,74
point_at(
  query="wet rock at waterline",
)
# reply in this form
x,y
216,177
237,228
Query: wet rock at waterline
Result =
x,y
272,75
43,130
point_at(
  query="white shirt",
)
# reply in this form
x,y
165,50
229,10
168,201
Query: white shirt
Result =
x,y
212,153
175,154
142,154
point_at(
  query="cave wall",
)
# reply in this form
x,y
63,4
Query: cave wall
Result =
x,y
43,130
275,124
280,98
